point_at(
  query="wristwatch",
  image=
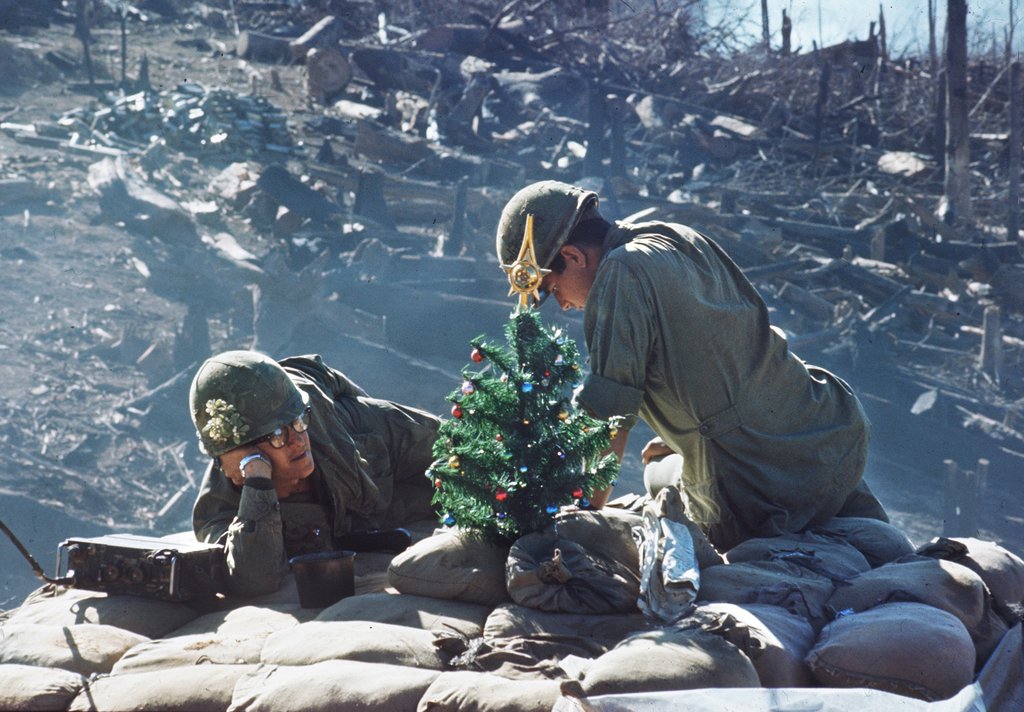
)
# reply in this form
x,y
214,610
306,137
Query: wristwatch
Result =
x,y
249,458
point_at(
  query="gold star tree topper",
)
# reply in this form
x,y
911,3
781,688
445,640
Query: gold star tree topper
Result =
x,y
525,275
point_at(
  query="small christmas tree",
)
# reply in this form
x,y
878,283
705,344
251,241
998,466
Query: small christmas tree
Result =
x,y
515,449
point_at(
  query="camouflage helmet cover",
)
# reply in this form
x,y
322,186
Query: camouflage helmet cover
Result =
x,y
556,208
238,396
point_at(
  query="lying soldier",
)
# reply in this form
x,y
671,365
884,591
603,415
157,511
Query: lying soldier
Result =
x,y
303,460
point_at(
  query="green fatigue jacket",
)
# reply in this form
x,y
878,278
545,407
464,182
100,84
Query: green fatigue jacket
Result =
x,y
370,457
678,336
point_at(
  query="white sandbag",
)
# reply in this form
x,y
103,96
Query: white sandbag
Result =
x,y
669,659
942,584
511,620
331,686
911,649
433,614
826,556
454,565
464,691
775,640
317,641
31,688
879,542
85,649
144,616
195,688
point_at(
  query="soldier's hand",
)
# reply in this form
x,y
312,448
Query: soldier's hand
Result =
x,y
231,460
654,449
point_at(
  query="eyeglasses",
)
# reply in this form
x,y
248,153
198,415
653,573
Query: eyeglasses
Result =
x,y
279,437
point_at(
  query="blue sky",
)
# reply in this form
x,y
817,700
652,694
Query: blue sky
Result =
x,y
906,20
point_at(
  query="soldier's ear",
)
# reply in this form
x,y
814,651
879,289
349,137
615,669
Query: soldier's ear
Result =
x,y
574,255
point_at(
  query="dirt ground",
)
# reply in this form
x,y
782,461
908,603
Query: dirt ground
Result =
x,y
78,311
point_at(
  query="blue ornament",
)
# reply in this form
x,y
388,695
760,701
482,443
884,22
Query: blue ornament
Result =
x,y
561,454
449,520
559,360
584,503
527,387
523,468
430,474
468,387
551,509
501,515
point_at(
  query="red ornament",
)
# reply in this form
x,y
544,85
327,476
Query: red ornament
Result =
x,y
577,493
476,356
437,483
498,437
457,411
547,373
501,495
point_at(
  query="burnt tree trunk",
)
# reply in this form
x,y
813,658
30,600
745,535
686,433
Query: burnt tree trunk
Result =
x,y
765,31
1013,187
933,52
787,33
958,153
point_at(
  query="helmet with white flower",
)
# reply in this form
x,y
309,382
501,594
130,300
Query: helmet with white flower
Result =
x,y
239,396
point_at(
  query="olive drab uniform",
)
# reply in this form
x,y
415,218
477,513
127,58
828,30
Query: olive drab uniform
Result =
x,y
677,335
370,457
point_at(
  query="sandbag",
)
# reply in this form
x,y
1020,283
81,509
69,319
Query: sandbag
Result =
x,y
70,606
775,640
822,555
551,573
1000,569
31,688
676,658
317,641
942,584
911,649
194,649
511,620
331,686
880,542
778,583
85,649
454,565
246,621
463,691
194,688
424,612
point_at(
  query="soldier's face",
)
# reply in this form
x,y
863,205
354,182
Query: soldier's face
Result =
x,y
571,286
291,463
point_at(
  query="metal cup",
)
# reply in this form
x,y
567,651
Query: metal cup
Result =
x,y
324,578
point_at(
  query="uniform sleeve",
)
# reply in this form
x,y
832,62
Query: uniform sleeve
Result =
x,y
333,381
619,338
246,521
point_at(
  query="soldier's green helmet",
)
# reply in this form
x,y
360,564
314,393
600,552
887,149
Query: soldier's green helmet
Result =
x,y
238,396
556,208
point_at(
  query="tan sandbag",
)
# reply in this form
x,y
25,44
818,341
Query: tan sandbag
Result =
x,y
70,606
31,688
194,688
549,572
911,649
880,542
331,686
942,584
775,640
511,620
1000,569
777,583
433,614
607,533
669,659
828,557
464,691
317,641
194,649
84,649
454,565
246,621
